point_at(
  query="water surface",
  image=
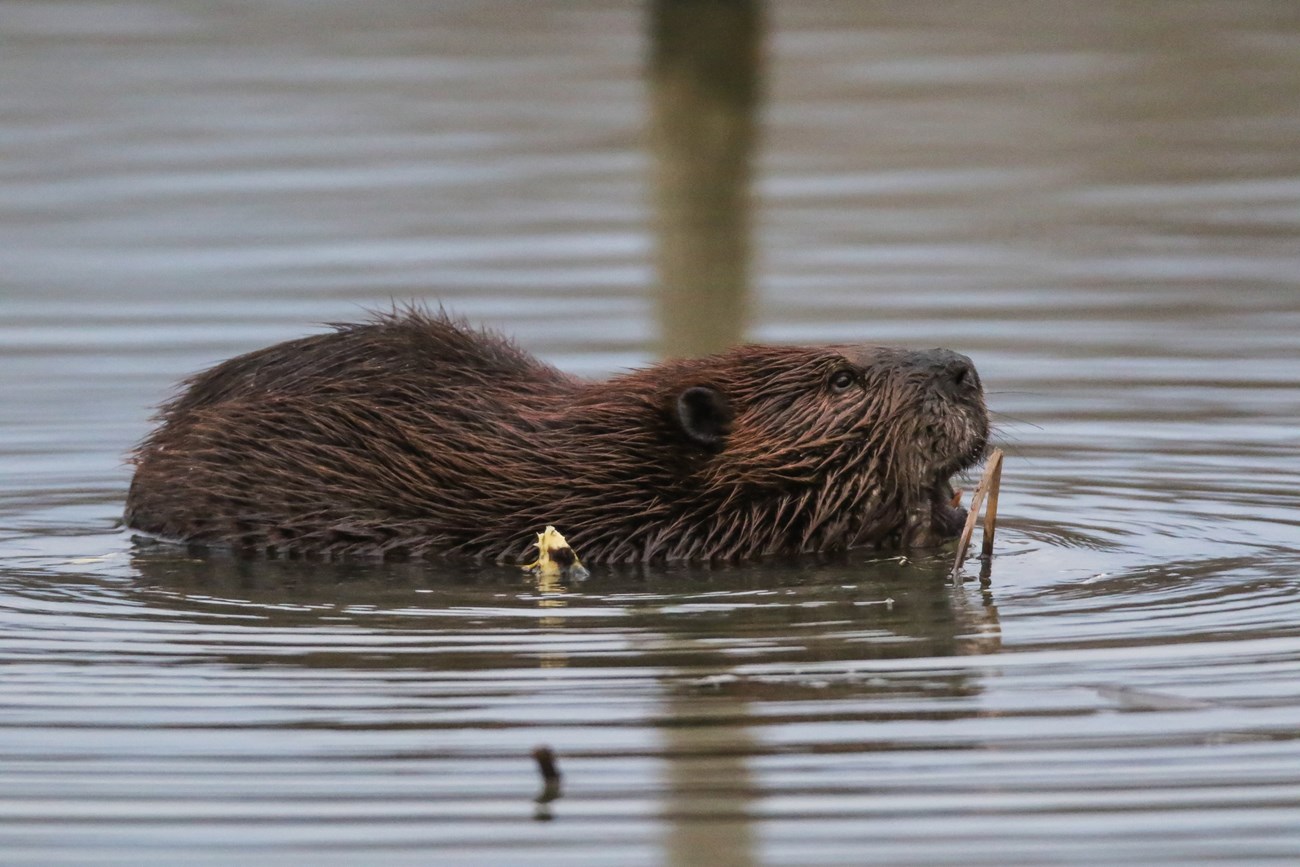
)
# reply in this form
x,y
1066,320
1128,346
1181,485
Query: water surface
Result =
x,y
1100,204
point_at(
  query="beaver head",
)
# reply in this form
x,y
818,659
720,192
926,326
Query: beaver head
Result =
x,y
771,449
413,435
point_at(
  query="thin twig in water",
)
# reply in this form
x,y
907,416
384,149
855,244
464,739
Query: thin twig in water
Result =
x,y
989,486
994,476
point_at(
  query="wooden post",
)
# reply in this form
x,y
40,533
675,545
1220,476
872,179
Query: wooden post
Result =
x,y
705,60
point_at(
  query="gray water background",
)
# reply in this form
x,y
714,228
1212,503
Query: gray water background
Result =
x,y
1100,203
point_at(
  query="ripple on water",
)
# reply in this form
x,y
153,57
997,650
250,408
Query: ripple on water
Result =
x,y
1108,228
396,709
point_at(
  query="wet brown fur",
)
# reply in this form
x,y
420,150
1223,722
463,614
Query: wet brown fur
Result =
x,y
413,435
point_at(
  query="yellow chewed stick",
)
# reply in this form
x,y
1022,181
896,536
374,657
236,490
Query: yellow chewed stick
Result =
x,y
554,557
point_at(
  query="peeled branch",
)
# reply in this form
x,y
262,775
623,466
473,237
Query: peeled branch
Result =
x,y
988,486
555,559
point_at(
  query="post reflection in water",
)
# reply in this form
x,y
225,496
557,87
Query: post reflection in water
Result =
x,y
711,791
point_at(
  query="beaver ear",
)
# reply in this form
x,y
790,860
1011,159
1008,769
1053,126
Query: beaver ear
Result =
x,y
705,416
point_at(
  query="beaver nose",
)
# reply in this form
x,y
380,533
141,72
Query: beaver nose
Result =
x,y
952,371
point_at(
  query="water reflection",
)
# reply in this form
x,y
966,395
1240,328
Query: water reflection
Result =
x,y
1097,203
680,633
711,792
666,617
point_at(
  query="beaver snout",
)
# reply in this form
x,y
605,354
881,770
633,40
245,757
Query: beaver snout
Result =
x,y
950,409
953,372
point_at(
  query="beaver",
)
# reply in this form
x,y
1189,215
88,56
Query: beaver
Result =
x,y
413,434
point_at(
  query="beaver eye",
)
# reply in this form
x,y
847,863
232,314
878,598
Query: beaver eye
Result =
x,y
842,380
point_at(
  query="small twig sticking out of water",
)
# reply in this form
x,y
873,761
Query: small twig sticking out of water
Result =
x,y
550,771
988,486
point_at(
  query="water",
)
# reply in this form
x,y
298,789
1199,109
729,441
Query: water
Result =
x,y
1100,204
